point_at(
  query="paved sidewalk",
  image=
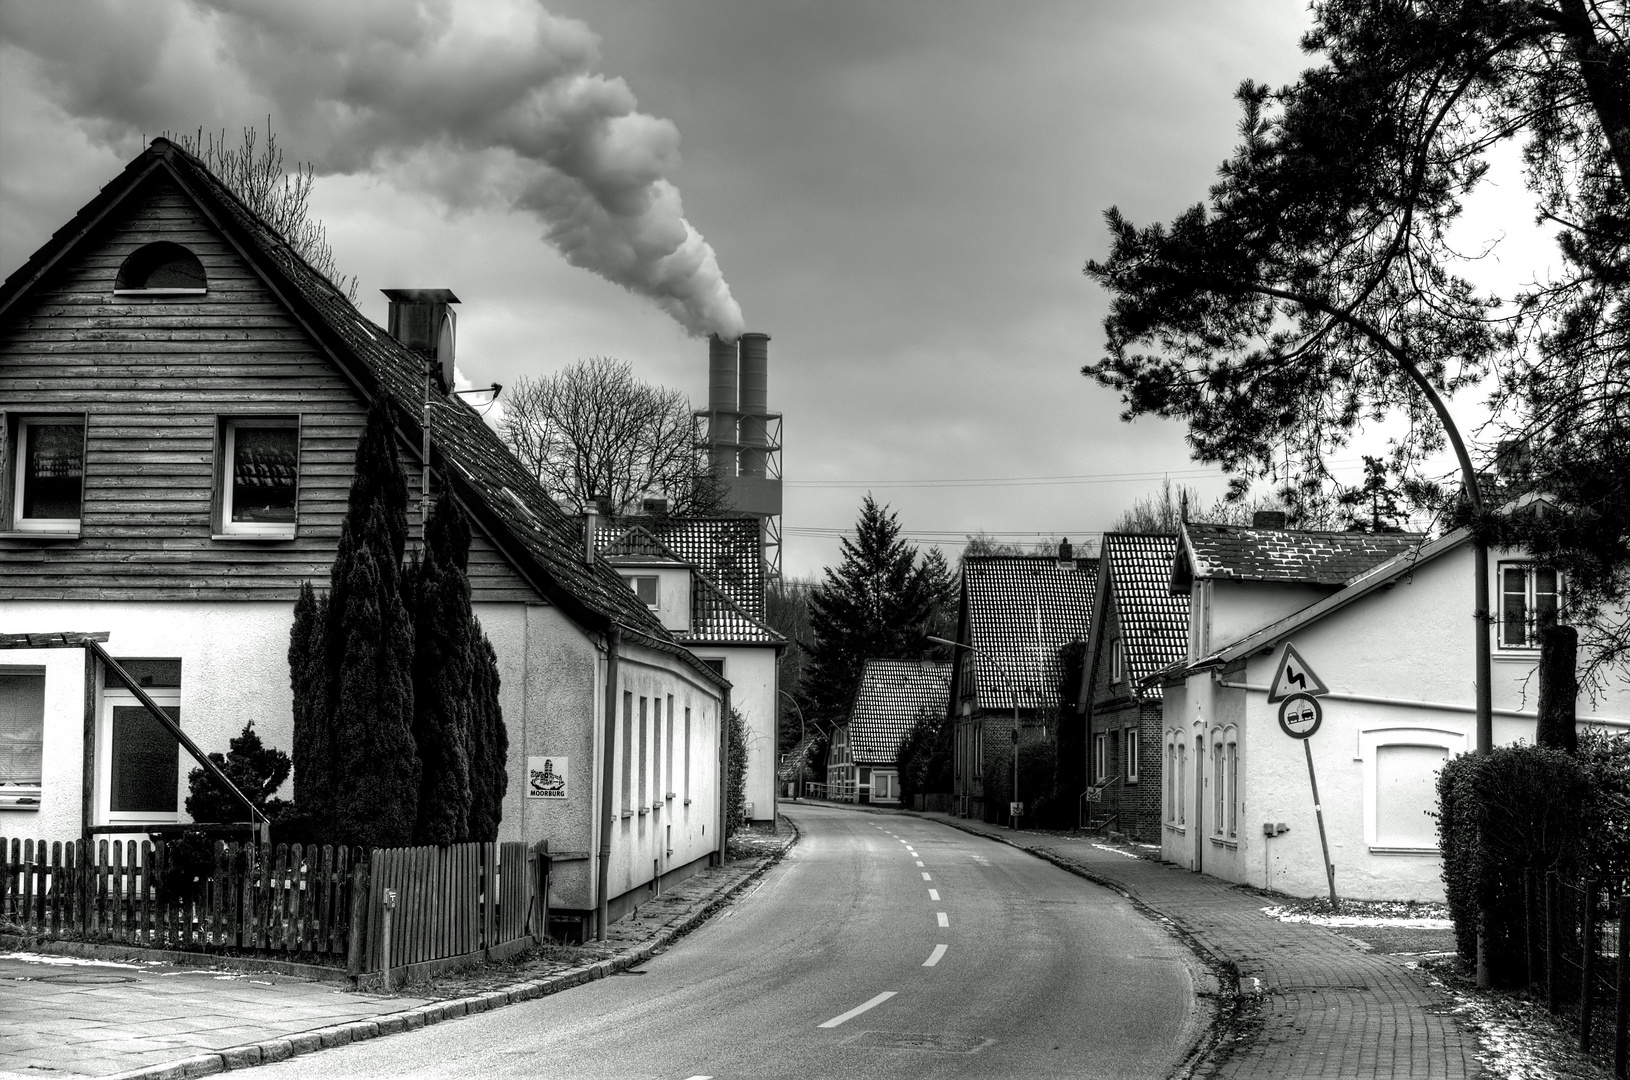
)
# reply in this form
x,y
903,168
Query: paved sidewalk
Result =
x,y
1317,1005
121,1016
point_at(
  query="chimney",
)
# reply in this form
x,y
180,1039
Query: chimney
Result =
x,y
1066,555
754,402
721,404
654,507
1268,519
593,510
424,321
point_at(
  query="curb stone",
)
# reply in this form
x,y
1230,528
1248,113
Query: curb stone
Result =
x,y
284,1047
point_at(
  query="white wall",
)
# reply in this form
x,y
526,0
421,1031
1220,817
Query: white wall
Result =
x,y
753,679
673,591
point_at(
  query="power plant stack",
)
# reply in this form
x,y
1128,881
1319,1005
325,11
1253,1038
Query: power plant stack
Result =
x,y
743,438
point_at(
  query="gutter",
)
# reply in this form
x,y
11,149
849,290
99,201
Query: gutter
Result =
x,y
1434,706
608,778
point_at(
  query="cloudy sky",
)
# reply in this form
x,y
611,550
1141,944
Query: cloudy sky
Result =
x,y
900,193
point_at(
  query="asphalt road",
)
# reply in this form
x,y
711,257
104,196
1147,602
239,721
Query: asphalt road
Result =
x,y
882,946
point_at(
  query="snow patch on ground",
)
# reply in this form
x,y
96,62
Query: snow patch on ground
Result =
x,y
1517,1042
1116,850
1402,923
70,961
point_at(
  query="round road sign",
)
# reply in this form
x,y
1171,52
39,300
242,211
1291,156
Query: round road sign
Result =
x,y
1300,715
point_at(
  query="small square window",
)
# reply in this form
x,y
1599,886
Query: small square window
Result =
x,y
259,477
22,737
48,481
645,587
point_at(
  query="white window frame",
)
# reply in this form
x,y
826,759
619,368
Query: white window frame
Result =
x,y
1117,663
656,588
1370,742
27,796
1219,792
261,530
19,452
1231,775
1530,642
1100,755
1133,751
164,697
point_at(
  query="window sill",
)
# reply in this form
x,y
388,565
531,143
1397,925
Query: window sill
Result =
x,y
23,799
1510,654
1178,829
35,534
1377,849
670,797
160,292
643,811
687,802
1231,845
627,814
276,537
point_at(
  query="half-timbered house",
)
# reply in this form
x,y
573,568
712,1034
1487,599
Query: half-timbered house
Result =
x,y
180,401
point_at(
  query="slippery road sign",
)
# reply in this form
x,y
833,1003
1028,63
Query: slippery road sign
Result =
x,y
1293,676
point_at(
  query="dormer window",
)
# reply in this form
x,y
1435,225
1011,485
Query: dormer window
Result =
x,y
645,587
161,269
47,475
259,477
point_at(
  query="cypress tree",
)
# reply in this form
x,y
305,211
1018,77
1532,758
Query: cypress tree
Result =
x,y
369,653
443,655
313,746
489,741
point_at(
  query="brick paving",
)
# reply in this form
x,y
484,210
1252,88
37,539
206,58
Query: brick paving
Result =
x,y
118,1016
1318,1005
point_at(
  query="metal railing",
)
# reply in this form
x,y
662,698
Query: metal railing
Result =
x,y
1577,933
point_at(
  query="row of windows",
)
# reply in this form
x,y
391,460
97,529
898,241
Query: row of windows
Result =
x,y
647,749
256,485
1223,782
1109,746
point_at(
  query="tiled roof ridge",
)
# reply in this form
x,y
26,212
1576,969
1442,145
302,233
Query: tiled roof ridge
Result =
x,y
700,576
1348,533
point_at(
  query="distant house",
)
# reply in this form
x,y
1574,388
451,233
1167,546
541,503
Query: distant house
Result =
x,y
182,396
1016,613
862,762
1138,628
704,578
1378,631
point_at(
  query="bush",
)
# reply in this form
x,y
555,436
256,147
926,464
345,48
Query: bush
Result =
x,y
924,758
254,769
1520,808
736,778
1038,771
998,778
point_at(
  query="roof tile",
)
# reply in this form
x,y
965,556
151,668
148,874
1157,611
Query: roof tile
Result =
x,y
1022,609
1154,624
892,694
1247,553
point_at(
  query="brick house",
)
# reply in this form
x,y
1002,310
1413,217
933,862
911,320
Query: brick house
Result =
x,y
704,578
1138,628
180,401
862,764
1014,615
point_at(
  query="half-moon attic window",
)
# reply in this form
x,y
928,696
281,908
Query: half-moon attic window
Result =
x,y
161,268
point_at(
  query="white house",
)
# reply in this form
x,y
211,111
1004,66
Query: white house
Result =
x,y
1378,631
181,398
704,578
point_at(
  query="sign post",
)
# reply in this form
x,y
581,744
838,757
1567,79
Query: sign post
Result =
x,y
1300,715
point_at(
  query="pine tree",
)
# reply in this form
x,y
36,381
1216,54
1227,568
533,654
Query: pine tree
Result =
x,y
369,647
489,741
442,686
254,769
313,746
872,606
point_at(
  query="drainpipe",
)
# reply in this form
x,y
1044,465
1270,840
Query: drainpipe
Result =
x,y
608,777
724,774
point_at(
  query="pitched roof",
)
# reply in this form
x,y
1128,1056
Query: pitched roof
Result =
x,y
1248,553
892,694
540,540
1154,624
1020,610
729,550
715,615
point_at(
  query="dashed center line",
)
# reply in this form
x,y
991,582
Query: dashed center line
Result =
x,y
858,1009
934,895
945,920
926,877
934,957
919,862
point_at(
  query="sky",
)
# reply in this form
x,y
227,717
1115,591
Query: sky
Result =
x,y
901,194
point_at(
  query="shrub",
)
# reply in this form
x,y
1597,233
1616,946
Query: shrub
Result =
x,y
998,777
254,769
924,758
1520,808
736,778
1038,771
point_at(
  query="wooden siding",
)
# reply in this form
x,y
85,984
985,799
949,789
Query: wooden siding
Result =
x,y
153,376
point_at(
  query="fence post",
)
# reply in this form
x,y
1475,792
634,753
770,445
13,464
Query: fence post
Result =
x,y
1587,966
1621,1005
1553,927
357,936
389,905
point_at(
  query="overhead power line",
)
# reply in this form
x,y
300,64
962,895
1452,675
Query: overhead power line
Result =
x,y
1036,481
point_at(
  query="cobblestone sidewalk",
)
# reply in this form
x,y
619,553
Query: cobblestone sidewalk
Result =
x,y
116,1015
1316,1004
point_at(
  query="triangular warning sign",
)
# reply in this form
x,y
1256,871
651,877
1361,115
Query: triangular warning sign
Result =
x,y
1293,676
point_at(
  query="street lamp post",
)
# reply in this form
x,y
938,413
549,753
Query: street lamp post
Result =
x,y
803,760
1013,688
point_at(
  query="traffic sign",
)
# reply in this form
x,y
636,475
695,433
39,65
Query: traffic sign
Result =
x,y
1293,676
1300,715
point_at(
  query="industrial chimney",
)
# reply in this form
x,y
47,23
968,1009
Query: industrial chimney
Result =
x,y
721,405
754,402
423,320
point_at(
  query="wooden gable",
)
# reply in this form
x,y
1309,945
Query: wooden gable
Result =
x,y
154,378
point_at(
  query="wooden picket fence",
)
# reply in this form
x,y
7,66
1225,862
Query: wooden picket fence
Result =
x,y
255,898
450,901
280,900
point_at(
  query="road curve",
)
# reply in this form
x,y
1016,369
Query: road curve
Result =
x,y
833,967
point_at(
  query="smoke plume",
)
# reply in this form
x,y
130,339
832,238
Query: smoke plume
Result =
x,y
480,102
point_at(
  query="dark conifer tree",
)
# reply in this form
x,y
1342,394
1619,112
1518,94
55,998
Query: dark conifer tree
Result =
x,y
443,698
872,606
489,741
313,746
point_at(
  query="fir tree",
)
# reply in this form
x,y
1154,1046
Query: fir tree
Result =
x,y
872,606
313,747
442,667
489,741
369,647
253,768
